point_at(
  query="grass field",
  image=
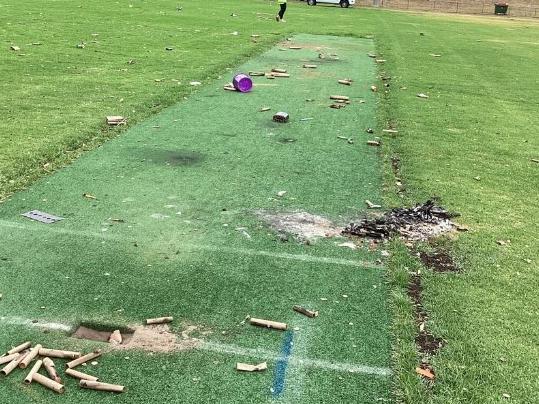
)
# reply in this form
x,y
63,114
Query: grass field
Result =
x,y
479,121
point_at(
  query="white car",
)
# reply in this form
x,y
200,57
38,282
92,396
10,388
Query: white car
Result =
x,y
342,3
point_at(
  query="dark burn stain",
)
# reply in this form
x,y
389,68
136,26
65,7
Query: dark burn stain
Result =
x,y
183,158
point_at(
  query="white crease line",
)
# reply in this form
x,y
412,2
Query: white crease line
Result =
x,y
295,361
46,325
230,250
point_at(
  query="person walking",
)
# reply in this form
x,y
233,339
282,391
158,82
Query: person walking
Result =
x,y
280,15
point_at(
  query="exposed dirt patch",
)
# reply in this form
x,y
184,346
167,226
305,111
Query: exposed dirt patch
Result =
x,y
438,261
304,226
151,338
102,335
427,343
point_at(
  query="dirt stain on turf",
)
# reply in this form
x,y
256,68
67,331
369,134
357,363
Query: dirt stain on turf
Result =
x,y
438,261
181,157
302,225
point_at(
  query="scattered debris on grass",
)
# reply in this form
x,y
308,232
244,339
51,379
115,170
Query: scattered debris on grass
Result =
x,y
371,55
421,95
421,222
253,74
22,355
281,193
277,70
374,89
369,130
349,140
264,109
89,384
245,367
435,55
14,48
304,311
346,82
294,47
195,83
304,226
373,142
310,66
337,106
392,131
268,324
503,242
380,61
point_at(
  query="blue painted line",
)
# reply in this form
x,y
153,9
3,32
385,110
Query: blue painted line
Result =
x,y
282,364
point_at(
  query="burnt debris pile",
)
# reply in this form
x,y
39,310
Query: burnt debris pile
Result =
x,y
420,222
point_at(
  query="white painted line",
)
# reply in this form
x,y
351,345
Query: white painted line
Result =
x,y
42,325
295,361
193,247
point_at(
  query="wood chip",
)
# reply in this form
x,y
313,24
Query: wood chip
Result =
x,y
374,89
310,66
256,74
390,131
14,48
275,70
373,142
264,109
345,82
421,95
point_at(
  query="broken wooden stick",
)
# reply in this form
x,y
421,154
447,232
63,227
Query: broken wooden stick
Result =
x,y
159,320
58,353
230,88
245,367
89,384
304,311
268,324
20,347
346,82
80,375
310,66
294,47
373,142
390,131
48,383
339,97
13,364
372,205
33,371
30,356
278,70
256,74
83,359
48,364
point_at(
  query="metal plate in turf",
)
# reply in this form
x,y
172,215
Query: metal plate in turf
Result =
x,y
41,216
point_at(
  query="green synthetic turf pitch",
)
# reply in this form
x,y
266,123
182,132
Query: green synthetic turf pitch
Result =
x,y
188,184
